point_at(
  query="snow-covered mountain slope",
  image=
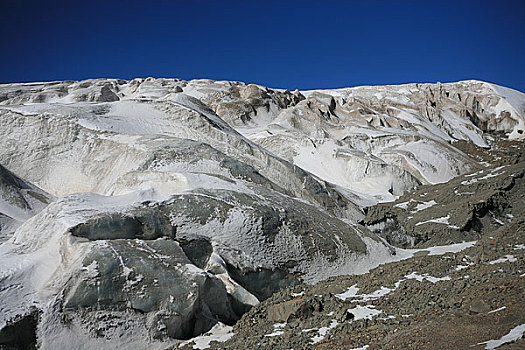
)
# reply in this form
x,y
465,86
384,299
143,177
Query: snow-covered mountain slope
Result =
x,y
228,191
368,138
377,141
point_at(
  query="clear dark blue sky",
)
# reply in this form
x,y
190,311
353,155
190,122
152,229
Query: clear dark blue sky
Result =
x,y
289,44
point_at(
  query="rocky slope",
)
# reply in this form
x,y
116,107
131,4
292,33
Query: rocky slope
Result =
x,y
464,208
172,207
468,299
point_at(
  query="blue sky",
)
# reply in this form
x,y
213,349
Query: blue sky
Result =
x,y
289,44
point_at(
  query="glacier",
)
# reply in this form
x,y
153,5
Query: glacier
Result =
x,y
149,211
